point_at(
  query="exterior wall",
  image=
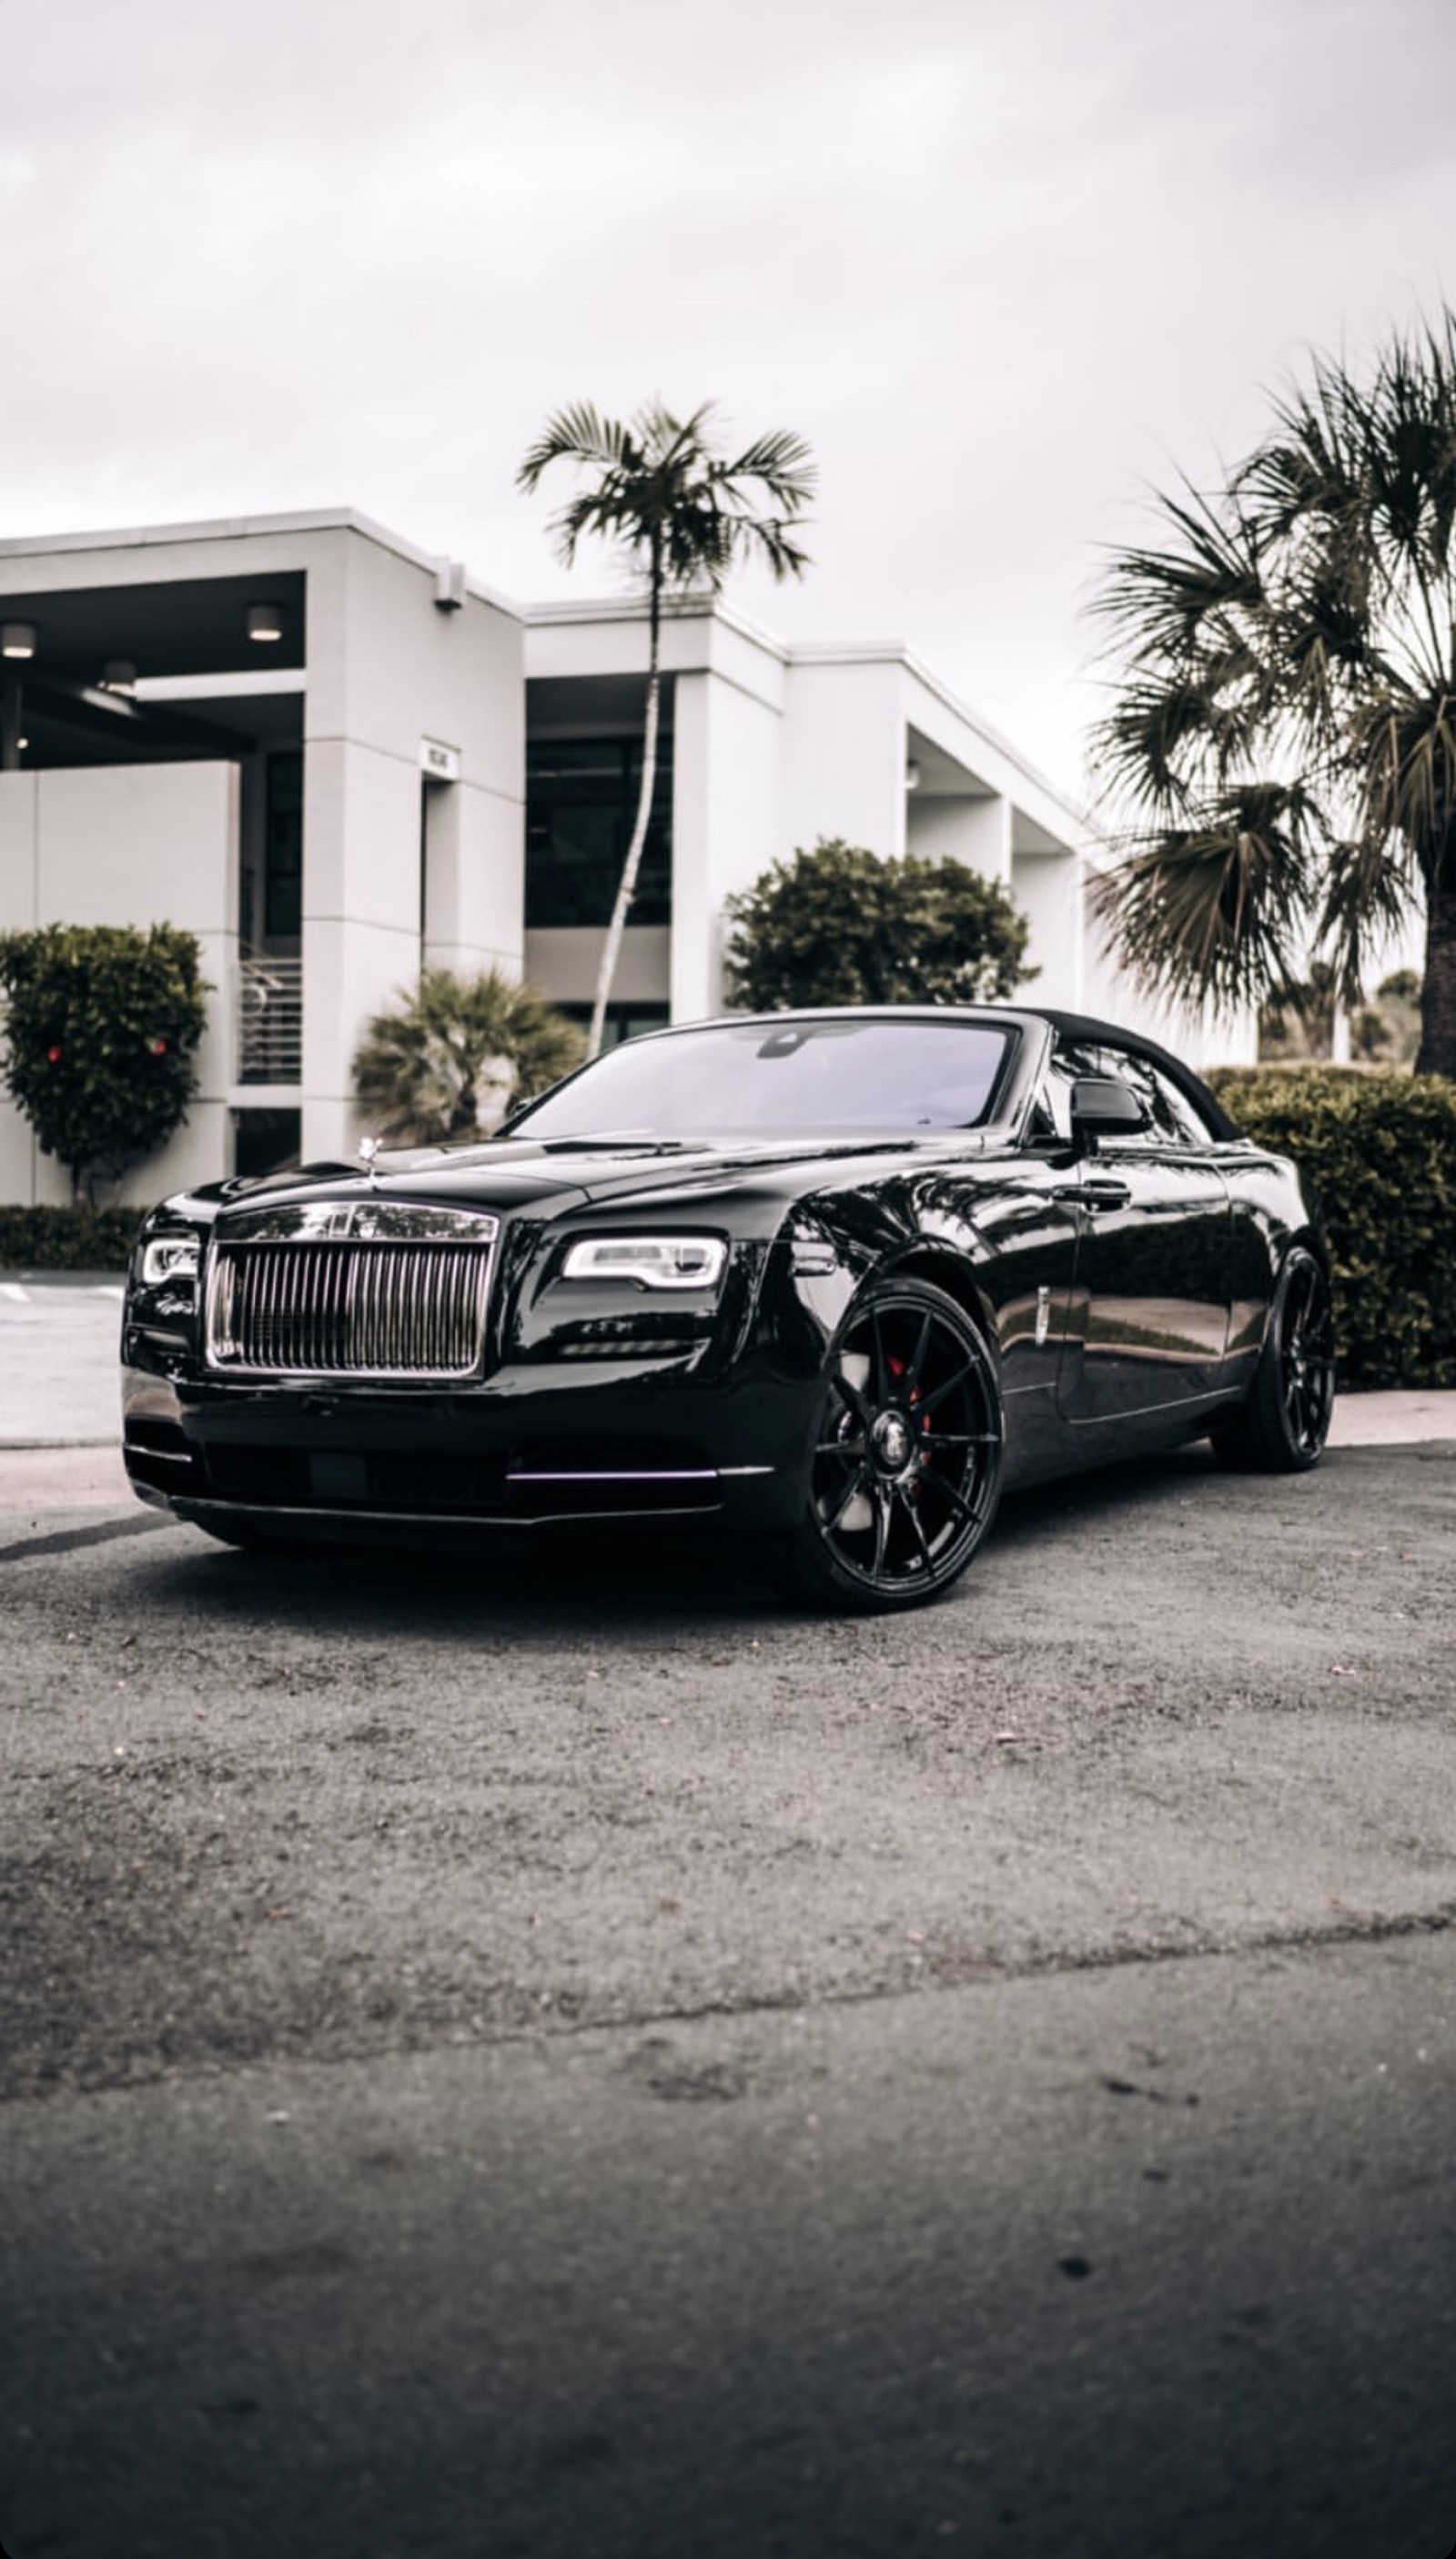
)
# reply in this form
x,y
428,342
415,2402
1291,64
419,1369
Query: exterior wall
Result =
x,y
844,755
564,959
132,845
387,670
959,828
726,825
1048,889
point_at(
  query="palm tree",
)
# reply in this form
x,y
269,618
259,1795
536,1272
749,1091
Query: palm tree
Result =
x,y
1282,739
683,515
457,1054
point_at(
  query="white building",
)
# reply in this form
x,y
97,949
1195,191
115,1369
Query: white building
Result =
x,y
332,756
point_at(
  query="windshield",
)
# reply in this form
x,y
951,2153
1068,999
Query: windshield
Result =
x,y
762,1078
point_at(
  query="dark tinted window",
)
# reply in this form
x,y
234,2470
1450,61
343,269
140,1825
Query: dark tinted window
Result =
x,y
283,848
756,1078
581,797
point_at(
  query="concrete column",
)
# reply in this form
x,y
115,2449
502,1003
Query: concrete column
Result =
x,y
361,919
1046,887
691,964
727,826
475,880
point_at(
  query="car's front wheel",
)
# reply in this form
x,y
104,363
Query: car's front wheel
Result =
x,y
1282,1426
905,1466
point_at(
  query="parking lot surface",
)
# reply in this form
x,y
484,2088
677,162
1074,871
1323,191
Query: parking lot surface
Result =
x,y
561,2055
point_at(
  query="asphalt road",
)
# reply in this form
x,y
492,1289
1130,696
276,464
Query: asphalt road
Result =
x,y
568,2057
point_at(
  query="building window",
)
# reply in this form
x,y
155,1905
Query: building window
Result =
x,y
624,1021
283,848
265,1141
580,802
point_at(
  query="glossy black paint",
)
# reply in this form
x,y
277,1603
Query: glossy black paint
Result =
x,y
1123,1286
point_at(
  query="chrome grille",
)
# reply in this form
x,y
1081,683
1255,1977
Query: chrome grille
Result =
x,y
392,1300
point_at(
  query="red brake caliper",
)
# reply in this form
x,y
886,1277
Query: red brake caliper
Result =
x,y
895,1368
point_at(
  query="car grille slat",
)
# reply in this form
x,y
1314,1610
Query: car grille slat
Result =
x,y
365,1305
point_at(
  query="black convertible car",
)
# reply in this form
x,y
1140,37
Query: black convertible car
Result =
x,y
830,1278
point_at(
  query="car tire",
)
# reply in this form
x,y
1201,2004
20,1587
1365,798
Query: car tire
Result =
x,y
1281,1427
905,1467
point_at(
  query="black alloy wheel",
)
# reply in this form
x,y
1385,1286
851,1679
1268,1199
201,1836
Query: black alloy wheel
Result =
x,y
1283,1426
907,1461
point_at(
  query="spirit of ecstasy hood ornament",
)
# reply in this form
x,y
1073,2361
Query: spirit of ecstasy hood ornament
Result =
x,y
369,1148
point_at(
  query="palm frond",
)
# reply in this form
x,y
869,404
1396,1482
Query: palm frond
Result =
x,y
1214,909
1369,892
781,462
576,433
1294,632
682,513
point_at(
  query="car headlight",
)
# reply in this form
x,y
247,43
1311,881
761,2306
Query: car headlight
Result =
x,y
169,1257
653,1261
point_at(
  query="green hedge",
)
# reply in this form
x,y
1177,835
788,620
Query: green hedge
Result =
x,y
68,1239
1378,1154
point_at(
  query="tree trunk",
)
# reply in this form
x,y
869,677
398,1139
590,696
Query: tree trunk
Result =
x,y
627,885
1437,1052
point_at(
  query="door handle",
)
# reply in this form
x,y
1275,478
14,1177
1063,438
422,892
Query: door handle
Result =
x,y
1095,1195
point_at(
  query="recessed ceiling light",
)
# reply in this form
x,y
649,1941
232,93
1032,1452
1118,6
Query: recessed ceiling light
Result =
x,y
118,676
17,639
266,622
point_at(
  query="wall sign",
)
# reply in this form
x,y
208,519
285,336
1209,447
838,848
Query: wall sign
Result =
x,y
441,763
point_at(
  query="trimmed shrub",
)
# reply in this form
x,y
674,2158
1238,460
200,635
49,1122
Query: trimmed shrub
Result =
x,y
844,926
1378,1155
100,1024
68,1239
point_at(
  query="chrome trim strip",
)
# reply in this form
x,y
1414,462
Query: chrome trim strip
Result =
x,y
619,1475
185,1505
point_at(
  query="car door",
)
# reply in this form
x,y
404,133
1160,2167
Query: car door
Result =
x,y
1153,1271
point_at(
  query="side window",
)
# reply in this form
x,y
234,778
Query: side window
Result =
x,y
1195,1129
1173,1120
1051,1112
1048,1121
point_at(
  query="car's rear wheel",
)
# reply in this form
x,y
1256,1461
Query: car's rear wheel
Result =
x,y
1282,1427
905,1466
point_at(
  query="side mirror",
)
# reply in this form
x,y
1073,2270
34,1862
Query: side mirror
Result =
x,y
1102,1106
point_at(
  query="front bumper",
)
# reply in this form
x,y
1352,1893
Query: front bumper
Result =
x,y
526,1448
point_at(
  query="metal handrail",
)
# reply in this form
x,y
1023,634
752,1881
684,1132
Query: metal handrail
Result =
x,y
269,1021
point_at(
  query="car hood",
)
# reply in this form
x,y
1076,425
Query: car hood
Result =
x,y
519,1174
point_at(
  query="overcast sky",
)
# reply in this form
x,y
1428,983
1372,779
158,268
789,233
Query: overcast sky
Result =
x,y
1002,265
